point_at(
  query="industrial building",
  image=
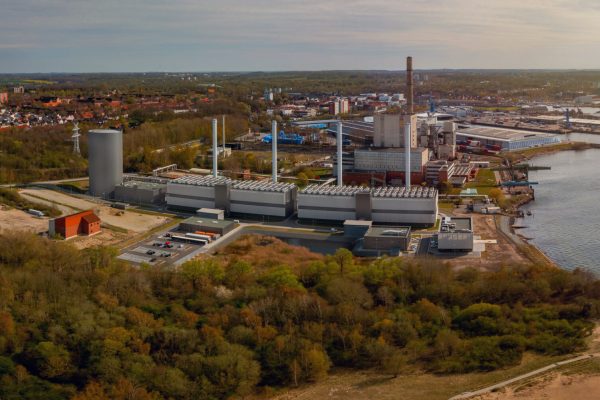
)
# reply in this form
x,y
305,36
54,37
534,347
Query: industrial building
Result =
x,y
105,148
196,224
403,143
361,132
141,192
69,226
210,213
387,238
389,128
496,139
391,205
234,197
456,234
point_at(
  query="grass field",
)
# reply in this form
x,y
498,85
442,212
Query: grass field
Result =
x,y
485,180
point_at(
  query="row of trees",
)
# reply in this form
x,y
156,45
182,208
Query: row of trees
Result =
x,y
81,324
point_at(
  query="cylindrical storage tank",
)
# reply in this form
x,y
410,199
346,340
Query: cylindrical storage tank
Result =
x,y
105,161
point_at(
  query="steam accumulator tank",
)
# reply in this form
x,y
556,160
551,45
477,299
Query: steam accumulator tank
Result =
x,y
105,159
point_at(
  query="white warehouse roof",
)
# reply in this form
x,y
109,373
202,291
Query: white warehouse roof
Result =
x,y
390,191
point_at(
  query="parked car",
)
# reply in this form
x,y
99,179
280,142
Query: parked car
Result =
x,y
150,252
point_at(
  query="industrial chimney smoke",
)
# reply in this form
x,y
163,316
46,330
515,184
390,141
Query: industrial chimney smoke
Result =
x,y
409,86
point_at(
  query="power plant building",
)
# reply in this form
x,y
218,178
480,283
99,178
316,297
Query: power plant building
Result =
x,y
390,205
382,160
389,128
234,197
105,156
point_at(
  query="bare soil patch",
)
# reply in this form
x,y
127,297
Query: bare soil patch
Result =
x,y
129,220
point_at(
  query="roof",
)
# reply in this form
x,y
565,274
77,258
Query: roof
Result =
x,y
209,181
334,190
456,224
546,117
355,222
196,180
106,131
394,231
584,121
91,218
501,134
390,191
263,186
143,185
217,223
209,210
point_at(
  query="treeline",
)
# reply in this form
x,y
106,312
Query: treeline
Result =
x,y
46,153
263,314
41,153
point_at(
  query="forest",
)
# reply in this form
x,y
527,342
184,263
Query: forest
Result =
x,y
261,316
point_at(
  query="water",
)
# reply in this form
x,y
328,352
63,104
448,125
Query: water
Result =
x,y
566,212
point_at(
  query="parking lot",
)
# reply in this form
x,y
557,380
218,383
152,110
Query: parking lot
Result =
x,y
160,249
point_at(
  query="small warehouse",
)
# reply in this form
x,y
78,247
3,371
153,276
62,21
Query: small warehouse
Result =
x,y
69,226
456,234
387,238
196,224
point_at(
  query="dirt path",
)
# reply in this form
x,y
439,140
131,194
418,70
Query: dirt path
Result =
x,y
554,387
516,379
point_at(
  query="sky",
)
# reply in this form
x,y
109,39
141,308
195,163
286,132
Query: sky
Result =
x,y
276,35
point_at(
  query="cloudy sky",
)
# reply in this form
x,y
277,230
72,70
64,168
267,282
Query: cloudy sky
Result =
x,y
249,35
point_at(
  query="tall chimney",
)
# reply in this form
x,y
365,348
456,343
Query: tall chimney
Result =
x,y
409,86
339,143
223,135
215,150
274,150
407,155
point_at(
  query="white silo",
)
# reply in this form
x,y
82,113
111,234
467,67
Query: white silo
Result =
x,y
105,161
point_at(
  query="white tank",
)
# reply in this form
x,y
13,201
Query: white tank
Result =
x,y
105,161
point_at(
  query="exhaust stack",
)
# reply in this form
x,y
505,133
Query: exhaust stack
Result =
x,y
274,150
223,135
215,150
339,142
409,86
407,155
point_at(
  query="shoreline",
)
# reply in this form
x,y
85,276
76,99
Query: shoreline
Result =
x,y
526,244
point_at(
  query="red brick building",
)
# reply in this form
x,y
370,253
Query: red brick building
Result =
x,y
83,223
